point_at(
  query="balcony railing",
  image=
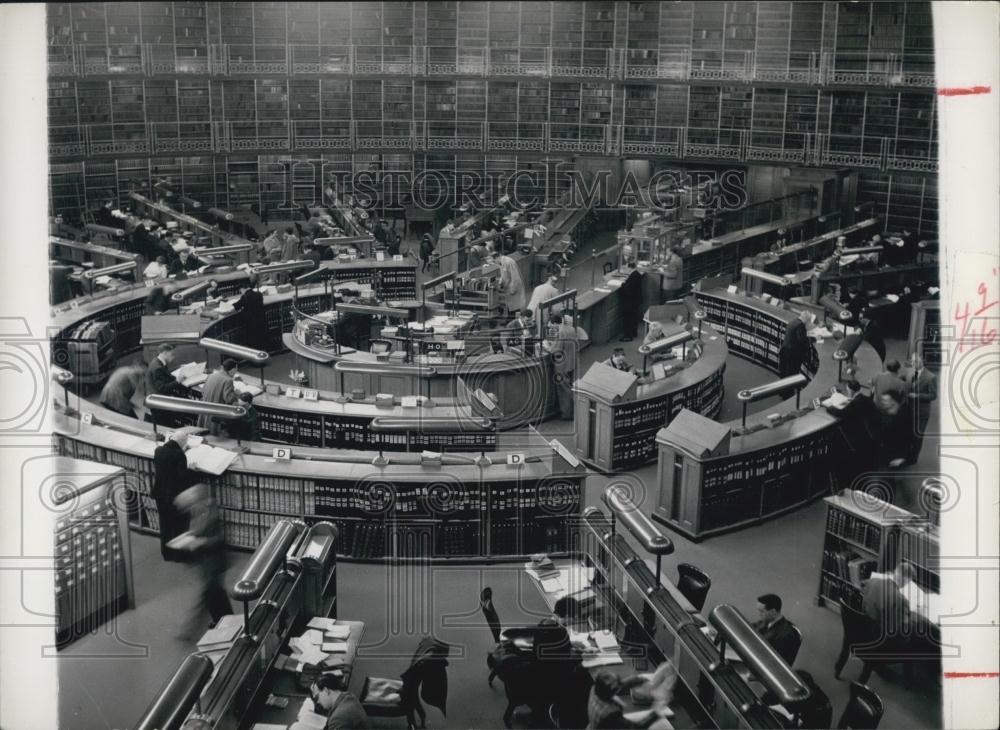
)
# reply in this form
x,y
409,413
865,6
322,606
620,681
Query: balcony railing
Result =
x,y
822,68
631,140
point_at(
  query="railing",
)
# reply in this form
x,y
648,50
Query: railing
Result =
x,y
681,63
739,145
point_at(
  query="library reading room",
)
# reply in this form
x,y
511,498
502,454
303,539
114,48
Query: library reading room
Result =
x,y
496,364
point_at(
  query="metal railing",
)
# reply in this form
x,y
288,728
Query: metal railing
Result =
x,y
665,63
742,145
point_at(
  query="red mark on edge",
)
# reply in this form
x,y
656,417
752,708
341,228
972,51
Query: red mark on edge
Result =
x,y
971,675
964,90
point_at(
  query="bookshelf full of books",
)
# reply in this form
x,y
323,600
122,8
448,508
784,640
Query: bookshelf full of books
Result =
x,y
397,511
866,535
753,329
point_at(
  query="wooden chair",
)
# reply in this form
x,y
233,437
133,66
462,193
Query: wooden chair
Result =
x,y
693,583
863,711
858,631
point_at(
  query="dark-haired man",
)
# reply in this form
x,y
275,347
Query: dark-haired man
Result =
x,y
775,629
218,389
342,709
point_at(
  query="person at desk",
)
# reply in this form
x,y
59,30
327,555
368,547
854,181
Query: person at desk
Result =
x,y
631,302
218,389
248,427
779,243
563,348
157,269
775,629
522,324
511,285
884,600
382,232
121,387
272,245
309,253
395,246
157,301
290,246
314,225
617,360
655,333
475,256
185,263
171,476
342,709
605,710
159,381
794,352
857,304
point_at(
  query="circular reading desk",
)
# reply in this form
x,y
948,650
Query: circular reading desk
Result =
x,y
399,479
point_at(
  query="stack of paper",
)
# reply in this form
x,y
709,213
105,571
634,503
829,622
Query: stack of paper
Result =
x,y
223,635
601,660
190,373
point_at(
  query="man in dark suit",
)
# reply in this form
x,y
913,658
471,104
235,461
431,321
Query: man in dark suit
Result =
x,y
251,308
777,630
159,381
794,352
171,476
630,293
873,335
922,392
218,389
888,381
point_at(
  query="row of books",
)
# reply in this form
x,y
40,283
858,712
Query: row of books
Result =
x,y
848,566
834,589
241,528
855,529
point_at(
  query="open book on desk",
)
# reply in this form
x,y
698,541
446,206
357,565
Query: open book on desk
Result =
x,y
210,459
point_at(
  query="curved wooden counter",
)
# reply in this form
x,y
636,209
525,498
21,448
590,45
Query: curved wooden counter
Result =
x,y
616,430
455,506
786,456
521,383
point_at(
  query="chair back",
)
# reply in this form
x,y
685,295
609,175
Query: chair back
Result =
x,y
379,347
864,709
857,625
693,583
794,651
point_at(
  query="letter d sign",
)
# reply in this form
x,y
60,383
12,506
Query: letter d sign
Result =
x,y
515,459
283,454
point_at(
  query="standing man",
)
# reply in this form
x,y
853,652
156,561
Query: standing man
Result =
x,y
563,351
159,381
272,246
543,292
887,382
922,392
775,629
673,275
218,389
511,283
251,308
171,476
426,251
631,302
290,246
871,331
121,388
207,548
617,360
794,352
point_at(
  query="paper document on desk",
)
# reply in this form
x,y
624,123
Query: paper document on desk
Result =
x,y
312,636
553,584
837,400
601,660
188,371
335,647
605,640
337,632
240,387
210,459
